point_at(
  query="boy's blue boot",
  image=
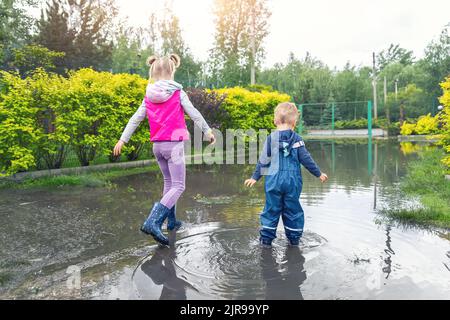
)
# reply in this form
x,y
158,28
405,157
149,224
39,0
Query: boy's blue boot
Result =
x,y
152,226
172,222
265,242
295,242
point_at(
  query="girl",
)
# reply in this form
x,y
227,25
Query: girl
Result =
x,y
163,105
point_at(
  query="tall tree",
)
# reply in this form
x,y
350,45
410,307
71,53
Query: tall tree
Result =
x,y
394,54
241,27
15,28
173,42
132,46
80,28
55,34
436,62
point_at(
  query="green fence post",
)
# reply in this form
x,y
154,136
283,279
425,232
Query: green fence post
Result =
x,y
300,120
369,145
369,119
333,157
333,110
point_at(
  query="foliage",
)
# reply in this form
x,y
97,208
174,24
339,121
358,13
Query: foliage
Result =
x,y
17,134
409,103
131,50
44,115
95,106
352,124
79,28
426,179
436,63
32,57
172,42
407,129
250,110
394,54
232,55
210,105
16,27
425,125
444,121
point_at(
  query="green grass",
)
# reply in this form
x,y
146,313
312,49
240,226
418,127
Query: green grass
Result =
x,y
92,179
426,181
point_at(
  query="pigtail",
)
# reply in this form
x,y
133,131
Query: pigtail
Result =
x,y
151,60
175,59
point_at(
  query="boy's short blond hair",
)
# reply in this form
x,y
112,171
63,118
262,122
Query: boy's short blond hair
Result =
x,y
286,113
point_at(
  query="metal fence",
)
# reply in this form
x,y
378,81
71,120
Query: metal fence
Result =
x,y
336,115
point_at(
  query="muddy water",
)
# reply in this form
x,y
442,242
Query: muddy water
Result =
x,y
85,243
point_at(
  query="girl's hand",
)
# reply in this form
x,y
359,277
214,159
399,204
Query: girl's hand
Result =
x,y
212,138
250,182
118,148
323,178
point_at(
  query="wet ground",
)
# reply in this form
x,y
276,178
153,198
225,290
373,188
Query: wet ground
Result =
x,y
84,243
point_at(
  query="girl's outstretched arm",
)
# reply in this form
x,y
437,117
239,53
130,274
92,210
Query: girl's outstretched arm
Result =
x,y
195,115
134,123
131,127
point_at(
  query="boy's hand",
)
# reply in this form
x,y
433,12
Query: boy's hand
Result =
x,y
250,182
323,178
118,148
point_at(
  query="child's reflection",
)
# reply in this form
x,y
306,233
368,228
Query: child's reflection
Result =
x,y
161,269
284,284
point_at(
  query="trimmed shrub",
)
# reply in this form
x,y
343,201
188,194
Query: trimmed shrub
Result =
x,y
444,121
425,125
251,110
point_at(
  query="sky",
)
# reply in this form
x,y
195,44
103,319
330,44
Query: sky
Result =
x,y
335,31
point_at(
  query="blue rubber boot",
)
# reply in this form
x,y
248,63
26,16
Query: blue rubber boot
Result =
x,y
172,222
152,226
294,242
265,242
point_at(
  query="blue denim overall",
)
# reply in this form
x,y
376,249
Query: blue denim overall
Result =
x,y
284,186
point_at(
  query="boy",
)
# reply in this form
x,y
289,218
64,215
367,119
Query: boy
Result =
x,y
280,161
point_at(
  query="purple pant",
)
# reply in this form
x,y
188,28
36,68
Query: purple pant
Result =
x,y
170,156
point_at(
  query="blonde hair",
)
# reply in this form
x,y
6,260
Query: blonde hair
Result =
x,y
163,68
286,113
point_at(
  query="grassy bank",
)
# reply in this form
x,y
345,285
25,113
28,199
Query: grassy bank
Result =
x,y
426,181
91,179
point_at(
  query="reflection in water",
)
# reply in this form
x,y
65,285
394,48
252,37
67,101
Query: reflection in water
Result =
x,y
389,252
217,255
287,281
161,269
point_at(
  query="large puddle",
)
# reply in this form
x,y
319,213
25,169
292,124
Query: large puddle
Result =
x,y
85,243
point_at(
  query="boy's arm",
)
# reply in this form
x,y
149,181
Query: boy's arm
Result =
x,y
194,114
263,162
134,122
308,162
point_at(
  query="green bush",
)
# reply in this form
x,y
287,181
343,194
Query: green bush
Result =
x,y
45,115
425,125
96,108
393,129
351,124
18,137
251,110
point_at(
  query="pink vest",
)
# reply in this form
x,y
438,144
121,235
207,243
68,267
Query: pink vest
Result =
x,y
166,120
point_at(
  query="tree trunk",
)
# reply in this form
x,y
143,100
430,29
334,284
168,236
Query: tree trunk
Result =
x,y
402,114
